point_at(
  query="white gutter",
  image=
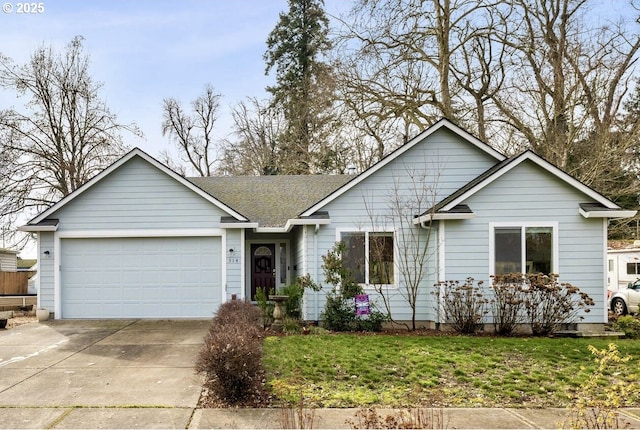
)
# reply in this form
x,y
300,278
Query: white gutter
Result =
x,y
608,213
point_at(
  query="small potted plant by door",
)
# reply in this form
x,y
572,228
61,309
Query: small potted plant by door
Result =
x,y
42,314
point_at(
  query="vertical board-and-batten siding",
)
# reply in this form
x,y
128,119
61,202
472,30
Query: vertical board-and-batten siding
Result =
x,y
138,196
530,195
446,159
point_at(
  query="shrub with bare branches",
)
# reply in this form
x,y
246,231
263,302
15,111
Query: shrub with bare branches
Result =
x,y
549,303
507,302
231,357
464,305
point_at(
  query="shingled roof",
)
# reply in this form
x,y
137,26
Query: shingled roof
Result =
x,y
271,200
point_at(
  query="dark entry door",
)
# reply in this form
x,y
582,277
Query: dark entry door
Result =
x,y
263,268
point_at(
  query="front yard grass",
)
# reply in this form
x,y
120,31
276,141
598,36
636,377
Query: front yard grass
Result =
x,y
351,370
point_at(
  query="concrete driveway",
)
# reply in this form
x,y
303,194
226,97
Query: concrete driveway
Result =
x,y
137,372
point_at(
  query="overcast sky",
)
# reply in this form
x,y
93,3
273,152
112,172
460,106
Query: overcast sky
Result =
x,y
146,50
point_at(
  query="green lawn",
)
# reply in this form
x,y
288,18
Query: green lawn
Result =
x,y
350,370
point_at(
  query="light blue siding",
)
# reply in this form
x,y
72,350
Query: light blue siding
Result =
x,y
234,263
528,194
46,271
132,201
436,167
138,196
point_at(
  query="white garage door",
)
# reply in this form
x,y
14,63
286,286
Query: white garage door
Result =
x,y
140,277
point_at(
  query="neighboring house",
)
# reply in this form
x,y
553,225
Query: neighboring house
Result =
x,y
26,265
31,266
8,260
623,266
139,240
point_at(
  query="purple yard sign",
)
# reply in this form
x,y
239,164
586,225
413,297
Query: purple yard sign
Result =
x,y
362,304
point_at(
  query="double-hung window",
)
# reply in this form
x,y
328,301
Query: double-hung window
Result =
x,y
369,256
523,249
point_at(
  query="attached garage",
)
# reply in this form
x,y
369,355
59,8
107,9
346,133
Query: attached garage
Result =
x,y
133,277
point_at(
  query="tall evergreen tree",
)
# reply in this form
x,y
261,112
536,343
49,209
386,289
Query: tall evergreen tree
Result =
x,y
303,84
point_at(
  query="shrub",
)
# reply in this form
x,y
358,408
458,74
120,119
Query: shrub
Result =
x,y
507,303
597,401
340,310
294,293
339,313
337,274
265,306
464,305
549,303
231,357
629,325
237,312
291,325
372,322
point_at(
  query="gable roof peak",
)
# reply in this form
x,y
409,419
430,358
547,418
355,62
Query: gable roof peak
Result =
x,y
441,123
135,152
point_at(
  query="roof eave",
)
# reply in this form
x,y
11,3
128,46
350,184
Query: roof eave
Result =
x,y
46,225
443,216
613,214
239,225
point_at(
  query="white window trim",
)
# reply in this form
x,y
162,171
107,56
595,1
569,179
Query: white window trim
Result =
x,y
367,231
555,260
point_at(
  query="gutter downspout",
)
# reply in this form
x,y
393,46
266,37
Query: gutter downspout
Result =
x,y
440,240
315,277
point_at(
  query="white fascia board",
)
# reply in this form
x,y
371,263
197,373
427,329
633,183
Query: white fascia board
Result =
x,y
293,222
306,221
136,152
438,216
243,225
608,214
270,230
444,123
546,166
85,234
37,228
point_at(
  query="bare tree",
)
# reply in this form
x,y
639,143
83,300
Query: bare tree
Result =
x,y
573,77
64,135
403,64
412,195
255,151
193,132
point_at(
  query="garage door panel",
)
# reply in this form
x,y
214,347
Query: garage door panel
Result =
x,y
141,277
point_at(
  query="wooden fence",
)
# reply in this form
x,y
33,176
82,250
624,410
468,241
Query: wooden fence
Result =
x,y
15,282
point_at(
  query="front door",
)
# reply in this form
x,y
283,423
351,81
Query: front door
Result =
x,y
263,268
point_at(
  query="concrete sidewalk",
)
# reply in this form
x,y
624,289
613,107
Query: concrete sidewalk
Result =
x,y
192,418
139,374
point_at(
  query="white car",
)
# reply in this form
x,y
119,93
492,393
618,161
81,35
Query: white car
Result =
x,y
626,300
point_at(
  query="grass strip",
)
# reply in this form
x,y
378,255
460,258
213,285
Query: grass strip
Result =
x,y
351,370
